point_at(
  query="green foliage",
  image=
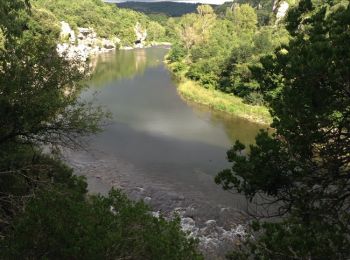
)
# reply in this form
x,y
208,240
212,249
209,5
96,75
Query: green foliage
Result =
x,y
2,40
11,11
220,56
263,9
302,170
159,18
45,212
106,19
39,106
171,9
177,53
39,101
244,18
155,32
220,101
61,224
24,170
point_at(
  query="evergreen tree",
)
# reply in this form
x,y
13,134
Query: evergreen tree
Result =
x,y
302,170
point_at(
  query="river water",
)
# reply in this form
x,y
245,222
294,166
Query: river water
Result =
x,y
162,149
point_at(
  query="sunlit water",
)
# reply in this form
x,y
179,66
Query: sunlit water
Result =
x,y
159,146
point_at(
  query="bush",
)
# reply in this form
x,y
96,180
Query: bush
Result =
x,y
60,224
254,98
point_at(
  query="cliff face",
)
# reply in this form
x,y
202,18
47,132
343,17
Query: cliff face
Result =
x,y
141,35
84,44
282,10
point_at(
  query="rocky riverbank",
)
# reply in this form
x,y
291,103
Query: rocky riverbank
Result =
x,y
218,228
86,43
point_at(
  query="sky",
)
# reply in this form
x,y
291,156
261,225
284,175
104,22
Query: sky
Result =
x,y
218,2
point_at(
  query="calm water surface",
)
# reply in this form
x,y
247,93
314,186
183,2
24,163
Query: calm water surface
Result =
x,y
168,140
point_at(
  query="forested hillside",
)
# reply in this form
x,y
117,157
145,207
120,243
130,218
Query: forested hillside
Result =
x,y
106,19
216,49
172,9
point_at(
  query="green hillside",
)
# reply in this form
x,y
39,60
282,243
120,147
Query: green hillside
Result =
x,y
107,19
168,8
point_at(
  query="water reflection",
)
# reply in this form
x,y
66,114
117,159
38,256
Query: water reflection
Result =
x,y
235,128
108,67
159,145
177,144
148,102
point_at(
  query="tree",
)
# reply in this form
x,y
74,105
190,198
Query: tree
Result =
x,y
206,20
209,57
302,170
39,106
39,90
10,11
45,212
244,18
195,28
155,32
63,224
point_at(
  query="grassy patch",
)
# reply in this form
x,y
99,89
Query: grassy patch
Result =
x,y
218,100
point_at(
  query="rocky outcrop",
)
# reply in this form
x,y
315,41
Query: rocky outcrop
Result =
x,y
141,35
282,10
73,52
67,34
85,44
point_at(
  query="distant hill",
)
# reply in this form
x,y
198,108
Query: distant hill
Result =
x,y
167,8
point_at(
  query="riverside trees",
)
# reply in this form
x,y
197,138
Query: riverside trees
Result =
x,y
303,169
107,20
45,211
220,55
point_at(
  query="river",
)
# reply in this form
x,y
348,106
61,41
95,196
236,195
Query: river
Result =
x,y
162,149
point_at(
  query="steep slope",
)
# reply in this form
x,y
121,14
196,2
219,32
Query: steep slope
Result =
x,y
168,8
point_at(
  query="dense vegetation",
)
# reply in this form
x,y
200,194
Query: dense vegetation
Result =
x,y
218,49
298,68
301,173
106,19
45,212
172,9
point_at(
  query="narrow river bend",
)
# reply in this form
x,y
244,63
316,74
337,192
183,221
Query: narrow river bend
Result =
x,y
160,148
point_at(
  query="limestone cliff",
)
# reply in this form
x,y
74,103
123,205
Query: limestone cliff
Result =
x,y
84,44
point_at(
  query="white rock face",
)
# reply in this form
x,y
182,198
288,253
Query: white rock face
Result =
x,y
85,44
282,11
108,44
141,35
67,32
